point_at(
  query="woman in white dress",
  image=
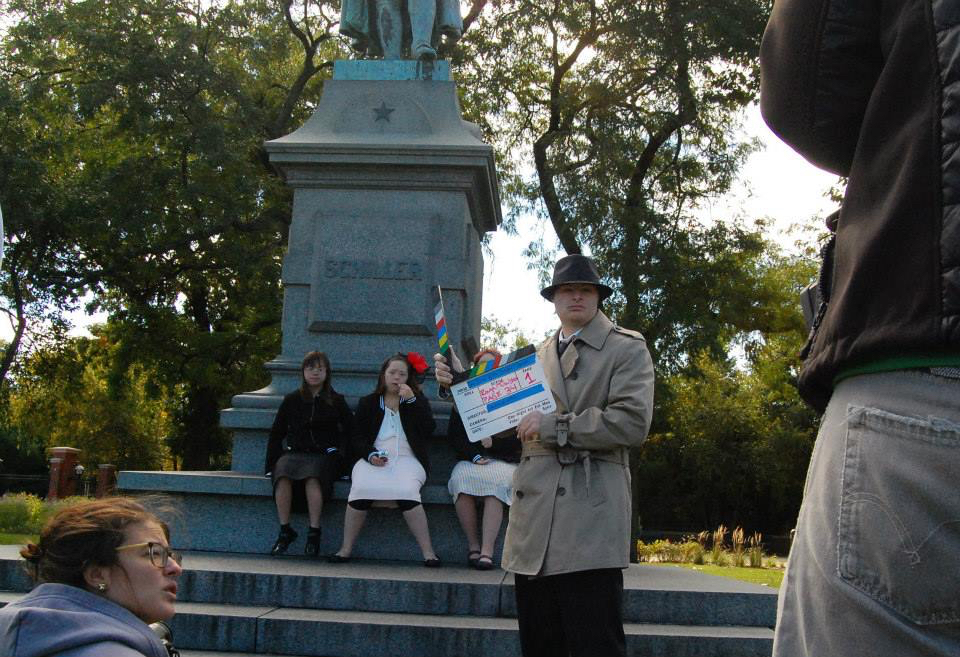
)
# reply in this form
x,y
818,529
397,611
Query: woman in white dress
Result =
x,y
393,427
483,476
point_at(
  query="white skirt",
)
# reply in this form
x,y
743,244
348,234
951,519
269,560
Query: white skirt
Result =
x,y
495,478
401,479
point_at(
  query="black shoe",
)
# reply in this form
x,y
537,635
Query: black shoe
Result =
x,y
286,537
432,562
312,548
336,558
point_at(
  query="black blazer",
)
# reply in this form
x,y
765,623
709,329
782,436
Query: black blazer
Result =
x,y
309,426
506,446
415,417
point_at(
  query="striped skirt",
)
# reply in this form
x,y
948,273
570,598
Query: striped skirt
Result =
x,y
495,478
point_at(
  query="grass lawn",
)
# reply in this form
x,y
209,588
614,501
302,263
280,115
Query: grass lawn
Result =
x,y
16,539
765,576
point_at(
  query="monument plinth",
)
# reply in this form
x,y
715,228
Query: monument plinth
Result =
x,y
393,192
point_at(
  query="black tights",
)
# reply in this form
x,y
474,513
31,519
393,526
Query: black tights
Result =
x,y
364,505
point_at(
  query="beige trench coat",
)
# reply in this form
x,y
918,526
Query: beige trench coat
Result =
x,y
567,518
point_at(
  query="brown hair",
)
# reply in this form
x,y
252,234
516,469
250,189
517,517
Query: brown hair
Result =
x,y
411,375
326,391
483,352
81,535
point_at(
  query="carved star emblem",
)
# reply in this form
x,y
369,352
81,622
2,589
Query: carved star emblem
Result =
x,y
383,112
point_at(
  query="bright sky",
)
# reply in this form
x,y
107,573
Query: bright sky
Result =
x,y
775,182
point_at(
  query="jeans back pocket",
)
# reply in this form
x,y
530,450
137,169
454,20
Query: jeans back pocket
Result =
x,y
899,532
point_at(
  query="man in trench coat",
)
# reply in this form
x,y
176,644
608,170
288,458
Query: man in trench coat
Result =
x,y
568,537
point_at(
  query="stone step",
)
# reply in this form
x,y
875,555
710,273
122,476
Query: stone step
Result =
x,y
217,629
235,512
652,594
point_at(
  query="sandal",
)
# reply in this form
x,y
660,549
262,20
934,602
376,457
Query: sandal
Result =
x,y
471,559
432,563
338,558
485,562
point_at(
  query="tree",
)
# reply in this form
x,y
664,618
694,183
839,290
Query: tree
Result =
x,y
738,437
627,112
148,185
80,394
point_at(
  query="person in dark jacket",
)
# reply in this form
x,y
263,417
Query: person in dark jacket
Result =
x,y
307,442
869,90
104,571
393,427
484,476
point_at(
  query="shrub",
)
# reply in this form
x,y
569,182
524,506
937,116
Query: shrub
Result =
x,y
23,513
755,551
716,552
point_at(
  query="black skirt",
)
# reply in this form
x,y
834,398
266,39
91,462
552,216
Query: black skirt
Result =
x,y
300,466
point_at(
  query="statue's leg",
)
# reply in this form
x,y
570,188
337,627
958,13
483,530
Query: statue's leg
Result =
x,y
423,13
390,27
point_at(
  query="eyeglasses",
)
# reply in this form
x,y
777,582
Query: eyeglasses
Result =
x,y
158,552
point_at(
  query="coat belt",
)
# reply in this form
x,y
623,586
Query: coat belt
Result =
x,y
569,456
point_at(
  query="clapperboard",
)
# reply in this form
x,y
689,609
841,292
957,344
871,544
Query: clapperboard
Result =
x,y
494,395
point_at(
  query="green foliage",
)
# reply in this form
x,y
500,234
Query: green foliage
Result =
x,y
738,437
502,335
85,395
27,514
132,169
626,114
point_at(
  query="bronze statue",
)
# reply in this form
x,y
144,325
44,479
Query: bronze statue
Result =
x,y
400,29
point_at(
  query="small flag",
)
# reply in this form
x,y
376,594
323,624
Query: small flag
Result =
x,y
443,339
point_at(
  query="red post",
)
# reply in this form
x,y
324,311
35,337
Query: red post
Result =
x,y
106,479
54,487
63,476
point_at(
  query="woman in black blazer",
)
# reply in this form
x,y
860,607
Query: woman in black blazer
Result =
x,y
307,443
393,427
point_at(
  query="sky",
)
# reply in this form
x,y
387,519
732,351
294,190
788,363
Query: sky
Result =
x,y
775,182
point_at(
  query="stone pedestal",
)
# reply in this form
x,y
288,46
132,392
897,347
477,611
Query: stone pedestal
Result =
x,y
393,193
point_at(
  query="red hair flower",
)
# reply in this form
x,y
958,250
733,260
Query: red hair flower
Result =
x,y
417,362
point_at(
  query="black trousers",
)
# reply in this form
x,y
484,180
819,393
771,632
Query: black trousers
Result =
x,y
575,614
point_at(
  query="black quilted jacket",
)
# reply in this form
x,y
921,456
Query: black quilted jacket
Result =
x,y
870,89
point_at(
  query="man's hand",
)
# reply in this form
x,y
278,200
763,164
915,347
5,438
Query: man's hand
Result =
x,y
529,427
487,442
442,371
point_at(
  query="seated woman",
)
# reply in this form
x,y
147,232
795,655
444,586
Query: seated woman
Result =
x,y
105,571
393,426
308,437
484,475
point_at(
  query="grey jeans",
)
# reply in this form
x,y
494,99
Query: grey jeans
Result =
x,y
875,565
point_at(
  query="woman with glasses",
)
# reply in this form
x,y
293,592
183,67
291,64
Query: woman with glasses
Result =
x,y
306,447
105,571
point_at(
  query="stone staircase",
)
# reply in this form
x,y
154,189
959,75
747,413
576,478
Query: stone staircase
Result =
x,y
254,605
235,601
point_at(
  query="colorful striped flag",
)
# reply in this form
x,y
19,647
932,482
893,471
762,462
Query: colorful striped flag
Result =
x,y
443,340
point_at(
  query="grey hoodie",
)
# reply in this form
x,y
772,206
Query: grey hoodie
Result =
x,y
61,620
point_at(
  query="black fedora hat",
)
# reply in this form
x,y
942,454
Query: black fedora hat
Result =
x,y
575,268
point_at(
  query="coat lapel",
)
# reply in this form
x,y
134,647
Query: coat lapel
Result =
x,y
569,359
551,368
